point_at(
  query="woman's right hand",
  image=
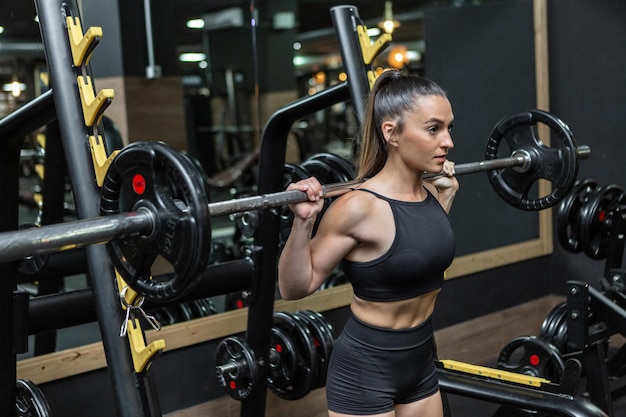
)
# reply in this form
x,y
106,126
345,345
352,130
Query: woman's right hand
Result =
x,y
311,208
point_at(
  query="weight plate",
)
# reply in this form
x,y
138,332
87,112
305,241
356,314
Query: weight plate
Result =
x,y
322,339
236,367
324,172
186,311
595,215
152,175
283,360
552,324
557,163
343,166
304,377
569,212
291,173
560,336
203,307
30,401
530,355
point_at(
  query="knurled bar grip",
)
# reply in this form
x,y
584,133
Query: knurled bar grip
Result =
x,y
19,244
59,237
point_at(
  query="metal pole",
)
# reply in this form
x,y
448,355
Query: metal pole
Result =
x,y
345,20
128,396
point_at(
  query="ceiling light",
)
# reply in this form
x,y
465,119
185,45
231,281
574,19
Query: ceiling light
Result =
x,y
15,88
388,24
1,29
192,57
195,23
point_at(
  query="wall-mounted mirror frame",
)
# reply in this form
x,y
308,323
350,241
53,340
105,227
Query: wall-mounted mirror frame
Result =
x,y
74,361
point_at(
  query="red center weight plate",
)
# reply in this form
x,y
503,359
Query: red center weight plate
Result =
x,y
172,190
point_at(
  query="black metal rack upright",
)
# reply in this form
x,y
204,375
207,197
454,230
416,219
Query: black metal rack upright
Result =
x,y
134,394
272,156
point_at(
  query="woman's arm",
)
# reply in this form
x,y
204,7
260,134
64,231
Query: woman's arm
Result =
x,y
446,186
306,262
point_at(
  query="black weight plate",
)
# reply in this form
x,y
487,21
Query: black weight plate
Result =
x,y
323,340
304,377
170,315
594,219
560,337
291,173
186,311
344,167
240,378
30,401
203,307
557,163
152,175
324,172
569,211
283,360
550,323
530,355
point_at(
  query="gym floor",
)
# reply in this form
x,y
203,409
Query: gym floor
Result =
x,y
477,341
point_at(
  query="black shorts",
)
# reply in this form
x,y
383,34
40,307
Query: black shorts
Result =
x,y
371,369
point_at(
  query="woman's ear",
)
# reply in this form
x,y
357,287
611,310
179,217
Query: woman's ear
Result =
x,y
388,128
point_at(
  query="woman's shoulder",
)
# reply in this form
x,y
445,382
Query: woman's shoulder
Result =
x,y
353,206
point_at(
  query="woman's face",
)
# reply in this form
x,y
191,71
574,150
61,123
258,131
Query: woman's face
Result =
x,y
424,142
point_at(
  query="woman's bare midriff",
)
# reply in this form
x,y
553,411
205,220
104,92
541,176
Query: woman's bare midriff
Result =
x,y
401,314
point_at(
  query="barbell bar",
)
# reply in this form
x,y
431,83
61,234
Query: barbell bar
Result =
x,y
154,204
59,237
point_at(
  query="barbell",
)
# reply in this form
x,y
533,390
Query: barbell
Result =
x,y
154,204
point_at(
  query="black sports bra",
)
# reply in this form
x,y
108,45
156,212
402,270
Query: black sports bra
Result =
x,y
422,250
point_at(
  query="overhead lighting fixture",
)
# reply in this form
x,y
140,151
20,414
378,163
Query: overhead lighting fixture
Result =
x,y
195,23
15,88
397,57
1,29
388,24
192,57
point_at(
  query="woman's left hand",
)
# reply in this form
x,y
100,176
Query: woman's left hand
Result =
x,y
447,179
446,184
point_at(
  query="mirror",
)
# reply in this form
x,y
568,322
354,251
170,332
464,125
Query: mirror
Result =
x,y
225,107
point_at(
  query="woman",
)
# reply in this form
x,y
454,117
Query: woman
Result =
x,y
394,241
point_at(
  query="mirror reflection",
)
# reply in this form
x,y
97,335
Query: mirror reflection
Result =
x,y
206,83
